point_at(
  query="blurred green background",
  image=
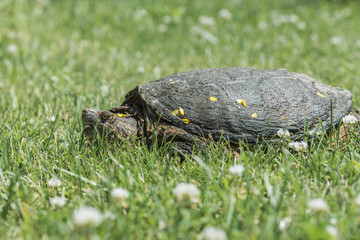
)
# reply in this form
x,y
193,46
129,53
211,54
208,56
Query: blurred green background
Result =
x,y
58,57
92,46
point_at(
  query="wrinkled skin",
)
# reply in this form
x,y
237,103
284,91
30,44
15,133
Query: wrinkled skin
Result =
x,y
112,125
106,123
281,99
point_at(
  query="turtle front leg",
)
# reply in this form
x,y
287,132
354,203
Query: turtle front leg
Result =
x,y
181,142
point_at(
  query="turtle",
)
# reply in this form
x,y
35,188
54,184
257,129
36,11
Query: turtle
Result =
x,y
237,104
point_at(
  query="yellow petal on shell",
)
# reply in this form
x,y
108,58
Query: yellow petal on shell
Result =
x,y
243,102
213,99
254,115
320,95
181,111
186,121
122,115
175,112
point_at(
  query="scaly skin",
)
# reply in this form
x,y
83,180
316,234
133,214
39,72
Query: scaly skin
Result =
x,y
105,123
116,126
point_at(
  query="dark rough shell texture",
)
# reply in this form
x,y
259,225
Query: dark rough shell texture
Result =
x,y
279,98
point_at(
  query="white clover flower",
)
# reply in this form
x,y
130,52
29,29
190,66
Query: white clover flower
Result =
x,y
51,119
283,133
317,205
280,19
120,194
301,25
237,170
284,223
298,146
87,216
167,19
332,231
207,21
213,233
315,132
104,89
293,145
54,182
157,71
84,43
262,25
140,69
313,37
12,49
162,224
349,120
186,191
225,14
162,28
58,201
336,40
140,14
293,18
54,78
357,200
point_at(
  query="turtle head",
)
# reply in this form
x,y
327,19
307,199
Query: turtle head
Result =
x,y
105,123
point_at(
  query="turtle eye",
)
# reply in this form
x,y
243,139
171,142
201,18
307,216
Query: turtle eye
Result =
x,y
105,116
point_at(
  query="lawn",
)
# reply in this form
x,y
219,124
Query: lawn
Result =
x,y
59,57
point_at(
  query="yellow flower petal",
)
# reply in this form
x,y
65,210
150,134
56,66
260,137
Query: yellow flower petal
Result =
x,y
186,121
181,111
254,115
213,99
243,102
122,115
320,95
175,112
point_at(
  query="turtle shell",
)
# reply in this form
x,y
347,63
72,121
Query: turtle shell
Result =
x,y
242,103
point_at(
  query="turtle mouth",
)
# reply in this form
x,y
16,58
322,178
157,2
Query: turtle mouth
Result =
x,y
90,131
89,127
98,130
92,125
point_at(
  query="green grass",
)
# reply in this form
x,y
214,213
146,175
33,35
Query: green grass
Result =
x,y
72,55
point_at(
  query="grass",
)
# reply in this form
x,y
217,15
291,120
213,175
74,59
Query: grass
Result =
x,y
58,57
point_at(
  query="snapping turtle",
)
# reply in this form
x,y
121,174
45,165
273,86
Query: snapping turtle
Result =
x,y
237,104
